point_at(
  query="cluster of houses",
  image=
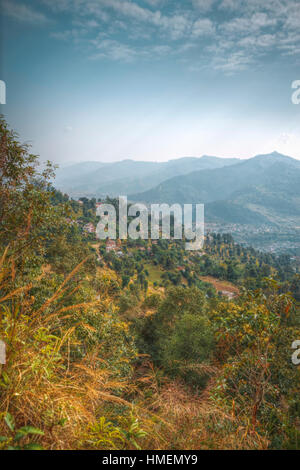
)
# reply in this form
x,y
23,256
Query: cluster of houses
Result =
x,y
89,228
112,246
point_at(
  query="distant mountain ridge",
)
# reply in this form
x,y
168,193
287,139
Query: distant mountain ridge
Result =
x,y
262,189
97,179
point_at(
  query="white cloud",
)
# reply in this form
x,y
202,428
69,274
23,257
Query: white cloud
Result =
x,y
22,12
161,50
174,25
132,10
235,62
249,28
154,3
203,27
187,46
244,25
203,5
118,51
114,50
264,41
230,5
293,20
262,20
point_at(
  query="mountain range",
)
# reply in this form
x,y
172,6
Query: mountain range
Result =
x,y
261,190
96,179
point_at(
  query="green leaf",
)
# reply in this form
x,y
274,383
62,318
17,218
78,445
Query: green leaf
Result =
x,y
9,420
62,421
3,438
30,430
33,446
5,378
25,430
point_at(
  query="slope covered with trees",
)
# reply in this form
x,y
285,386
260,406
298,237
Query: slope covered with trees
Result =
x,y
137,350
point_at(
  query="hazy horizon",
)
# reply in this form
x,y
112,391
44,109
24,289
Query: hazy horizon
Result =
x,y
70,163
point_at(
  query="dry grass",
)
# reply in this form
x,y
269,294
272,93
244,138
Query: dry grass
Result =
x,y
190,420
196,423
39,385
43,386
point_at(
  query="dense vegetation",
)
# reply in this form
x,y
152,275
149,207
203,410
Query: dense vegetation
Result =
x,y
256,199
147,346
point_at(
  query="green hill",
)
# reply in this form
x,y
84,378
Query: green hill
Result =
x,y
263,189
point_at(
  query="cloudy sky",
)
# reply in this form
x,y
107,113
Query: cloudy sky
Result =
x,y
151,79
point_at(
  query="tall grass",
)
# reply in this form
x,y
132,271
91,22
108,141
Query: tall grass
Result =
x,y
71,401
40,385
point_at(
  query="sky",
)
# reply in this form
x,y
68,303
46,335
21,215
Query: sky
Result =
x,y
108,80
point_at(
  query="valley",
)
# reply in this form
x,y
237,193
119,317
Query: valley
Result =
x,y
256,200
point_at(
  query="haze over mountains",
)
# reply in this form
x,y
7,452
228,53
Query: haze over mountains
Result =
x,y
96,179
261,190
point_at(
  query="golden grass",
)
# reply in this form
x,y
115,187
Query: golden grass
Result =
x,y
39,386
81,403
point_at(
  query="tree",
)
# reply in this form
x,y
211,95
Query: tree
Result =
x,y
186,352
33,216
253,340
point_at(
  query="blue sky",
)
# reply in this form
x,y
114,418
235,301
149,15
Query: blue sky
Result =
x,y
151,79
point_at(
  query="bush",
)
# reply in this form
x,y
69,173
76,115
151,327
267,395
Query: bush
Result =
x,y
187,351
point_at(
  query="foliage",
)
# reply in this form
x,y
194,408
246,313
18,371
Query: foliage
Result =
x,y
141,351
254,339
15,439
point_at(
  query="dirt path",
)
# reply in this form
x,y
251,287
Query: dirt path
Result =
x,y
226,287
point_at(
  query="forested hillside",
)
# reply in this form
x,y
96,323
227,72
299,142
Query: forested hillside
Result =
x,y
263,189
136,344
